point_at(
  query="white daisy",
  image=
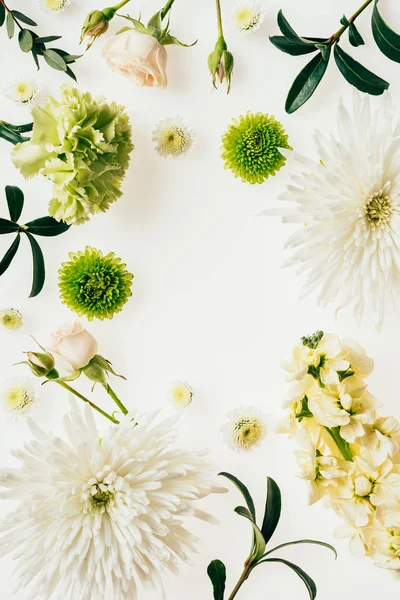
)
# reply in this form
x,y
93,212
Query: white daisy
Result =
x,y
247,16
22,91
95,511
181,394
19,395
348,204
172,137
11,318
245,428
53,5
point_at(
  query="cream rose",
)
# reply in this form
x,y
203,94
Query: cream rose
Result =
x,y
138,56
73,346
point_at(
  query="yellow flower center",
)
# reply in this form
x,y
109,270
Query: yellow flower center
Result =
x,y
378,210
248,432
18,398
55,4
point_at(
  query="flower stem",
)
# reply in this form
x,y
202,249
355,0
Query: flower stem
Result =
x,y
244,576
343,446
219,19
120,5
65,385
114,396
336,36
166,9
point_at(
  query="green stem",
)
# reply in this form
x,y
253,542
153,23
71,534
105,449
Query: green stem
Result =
x,y
114,396
336,36
219,19
11,13
12,133
244,576
120,5
166,9
65,385
343,446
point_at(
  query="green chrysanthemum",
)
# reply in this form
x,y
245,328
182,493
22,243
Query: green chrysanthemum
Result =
x,y
94,285
82,144
251,147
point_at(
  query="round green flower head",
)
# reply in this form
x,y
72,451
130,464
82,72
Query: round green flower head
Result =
x,y
94,285
251,147
11,318
82,144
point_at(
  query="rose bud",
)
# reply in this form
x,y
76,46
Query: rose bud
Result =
x,y
73,346
220,63
41,363
97,22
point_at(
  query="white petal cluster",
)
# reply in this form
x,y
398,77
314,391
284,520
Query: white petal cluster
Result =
x,y
350,455
348,204
98,511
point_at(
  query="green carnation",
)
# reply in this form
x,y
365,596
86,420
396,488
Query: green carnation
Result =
x,y
251,147
82,144
94,285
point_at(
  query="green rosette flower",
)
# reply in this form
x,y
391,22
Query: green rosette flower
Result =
x,y
251,147
94,285
82,144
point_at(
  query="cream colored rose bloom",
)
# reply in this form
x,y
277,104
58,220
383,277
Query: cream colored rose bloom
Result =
x,y
73,346
138,56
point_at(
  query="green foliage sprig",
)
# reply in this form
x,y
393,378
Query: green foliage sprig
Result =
x,y
305,84
261,537
45,226
29,41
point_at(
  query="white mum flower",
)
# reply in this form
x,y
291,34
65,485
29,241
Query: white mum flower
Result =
x,y
348,204
172,137
181,394
247,16
19,395
53,5
98,510
22,91
11,318
245,429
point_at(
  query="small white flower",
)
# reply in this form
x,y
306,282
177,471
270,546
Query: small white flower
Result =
x,y
53,5
22,90
247,16
382,438
172,137
181,394
19,395
245,428
11,318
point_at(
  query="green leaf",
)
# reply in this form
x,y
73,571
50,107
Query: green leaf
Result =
x,y
258,538
285,28
306,83
154,26
10,25
15,201
21,17
356,74
217,573
244,491
387,40
296,542
39,273
306,579
273,508
48,39
9,255
35,57
47,226
292,47
355,37
25,40
2,14
71,74
8,226
54,60
169,40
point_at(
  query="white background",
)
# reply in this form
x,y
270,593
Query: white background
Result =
x,y
211,304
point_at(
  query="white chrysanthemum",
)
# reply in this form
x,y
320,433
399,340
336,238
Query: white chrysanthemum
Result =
x,y
172,137
245,428
22,90
19,395
181,394
53,5
96,511
11,318
348,204
247,16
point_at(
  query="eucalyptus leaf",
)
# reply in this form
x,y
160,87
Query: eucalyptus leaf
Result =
x,y
47,39
54,60
15,201
356,74
25,40
2,14
7,226
10,25
21,17
70,73
273,507
306,83
387,40
217,573
258,538
355,37
244,491
47,226
35,57
39,273
9,255
292,47
306,579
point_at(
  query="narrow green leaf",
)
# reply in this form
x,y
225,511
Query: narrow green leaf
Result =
x,y
170,40
355,37
68,58
10,25
387,40
356,74
306,579
39,273
47,226
244,491
285,28
9,255
8,226
21,17
155,24
15,201
54,60
273,507
258,538
217,573
71,74
292,47
344,21
2,14
296,542
35,58
47,39
306,83
25,40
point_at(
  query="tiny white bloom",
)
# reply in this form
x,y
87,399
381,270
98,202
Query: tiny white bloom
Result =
x,y
245,428
53,5
19,395
247,16
382,438
181,394
172,137
22,90
11,318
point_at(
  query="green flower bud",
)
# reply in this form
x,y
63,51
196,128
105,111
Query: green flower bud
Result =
x,y
220,63
97,22
40,363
